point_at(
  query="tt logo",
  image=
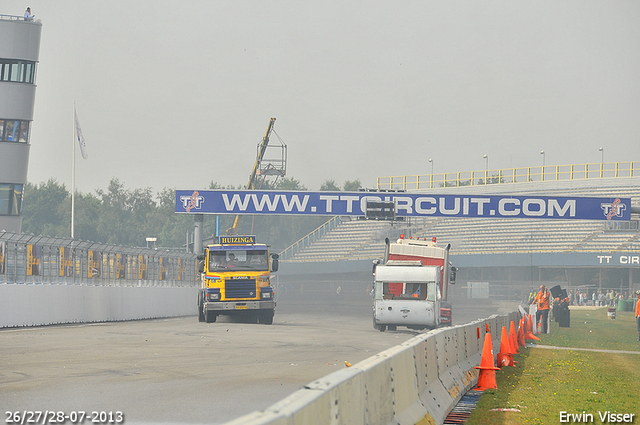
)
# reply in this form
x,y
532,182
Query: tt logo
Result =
x,y
193,201
614,209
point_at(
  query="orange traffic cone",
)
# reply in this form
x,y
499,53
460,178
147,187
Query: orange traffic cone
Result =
x,y
520,335
512,339
529,334
505,356
487,378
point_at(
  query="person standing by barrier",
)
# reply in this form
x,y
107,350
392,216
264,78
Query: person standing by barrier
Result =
x,y
542,299
638,312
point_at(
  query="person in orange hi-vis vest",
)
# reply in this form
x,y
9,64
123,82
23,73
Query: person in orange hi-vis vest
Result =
x,y
638,313
543,298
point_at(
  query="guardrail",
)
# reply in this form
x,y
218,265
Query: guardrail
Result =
x,y
511,175
419,381
29,259
14,18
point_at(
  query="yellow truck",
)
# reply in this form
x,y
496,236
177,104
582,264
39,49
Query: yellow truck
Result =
x,y
236,280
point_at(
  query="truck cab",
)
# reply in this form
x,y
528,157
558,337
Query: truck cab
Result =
x,y
236,280
410,285
407,294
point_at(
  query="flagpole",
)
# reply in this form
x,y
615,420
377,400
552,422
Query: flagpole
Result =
x,y
73,172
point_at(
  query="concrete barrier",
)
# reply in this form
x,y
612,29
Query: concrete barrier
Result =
x,y
35,305
418,381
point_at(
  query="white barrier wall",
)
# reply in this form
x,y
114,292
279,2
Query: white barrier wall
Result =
x,y
34,305
419,381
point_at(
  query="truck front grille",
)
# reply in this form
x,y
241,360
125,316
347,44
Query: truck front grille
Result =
x,y
240,288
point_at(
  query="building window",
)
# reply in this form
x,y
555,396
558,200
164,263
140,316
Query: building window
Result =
x,y
10,199
24,132
14,131
17,71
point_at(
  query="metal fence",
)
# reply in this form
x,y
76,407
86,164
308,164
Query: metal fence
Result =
x,y
14,18
29,259
511,175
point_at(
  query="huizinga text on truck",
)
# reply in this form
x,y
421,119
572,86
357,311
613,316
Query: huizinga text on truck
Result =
x,y
411,285
236,280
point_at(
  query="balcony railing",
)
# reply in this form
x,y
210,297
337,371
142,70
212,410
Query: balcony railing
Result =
x,y
512,175
15,18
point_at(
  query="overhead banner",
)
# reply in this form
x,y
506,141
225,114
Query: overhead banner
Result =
x,y
406,204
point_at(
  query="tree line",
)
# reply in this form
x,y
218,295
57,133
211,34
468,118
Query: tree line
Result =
x,y
127,217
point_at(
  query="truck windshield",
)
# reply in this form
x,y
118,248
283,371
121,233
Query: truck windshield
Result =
x,y
405,291
238,260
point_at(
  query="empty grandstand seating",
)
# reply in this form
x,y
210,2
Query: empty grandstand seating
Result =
x,y
349,240
360,239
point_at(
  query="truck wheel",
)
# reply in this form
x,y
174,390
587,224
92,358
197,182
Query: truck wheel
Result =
x,y
265,317
393,327
381,328
209,317
200,311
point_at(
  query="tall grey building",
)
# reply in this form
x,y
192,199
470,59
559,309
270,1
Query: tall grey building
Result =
x,y
19,51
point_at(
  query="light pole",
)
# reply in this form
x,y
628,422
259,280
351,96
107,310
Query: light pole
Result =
x,y
486,167
431,161
544,157
601,161
431,177
602,156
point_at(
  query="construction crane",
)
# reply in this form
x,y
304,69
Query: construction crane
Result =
x,y
263,168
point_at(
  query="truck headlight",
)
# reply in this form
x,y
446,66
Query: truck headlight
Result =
x,y
267,295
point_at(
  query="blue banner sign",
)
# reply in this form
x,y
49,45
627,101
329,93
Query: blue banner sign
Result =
x,y
406,204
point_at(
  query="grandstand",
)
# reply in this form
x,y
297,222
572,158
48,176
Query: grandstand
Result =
x,y
346,239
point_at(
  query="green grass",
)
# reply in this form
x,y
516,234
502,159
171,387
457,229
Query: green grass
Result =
x,y
548,381
593,329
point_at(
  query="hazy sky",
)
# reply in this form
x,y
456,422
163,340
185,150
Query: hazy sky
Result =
x,y
179,93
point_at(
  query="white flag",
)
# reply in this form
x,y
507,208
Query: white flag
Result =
x,y
83,145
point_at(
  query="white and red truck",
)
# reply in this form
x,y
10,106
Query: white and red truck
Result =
x,y
411,285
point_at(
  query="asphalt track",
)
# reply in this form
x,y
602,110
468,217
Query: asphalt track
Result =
x,y
179,370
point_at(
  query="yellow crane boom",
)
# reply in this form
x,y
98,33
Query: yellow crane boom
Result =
x,y
252,179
